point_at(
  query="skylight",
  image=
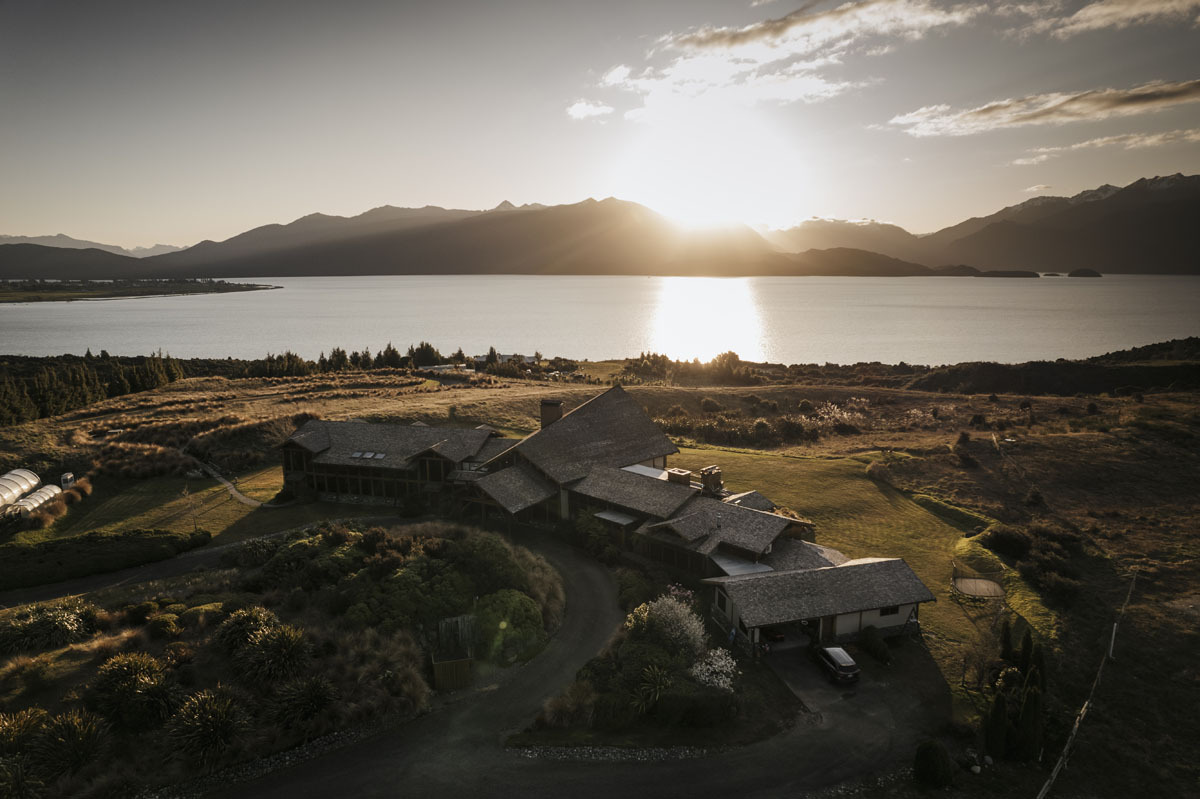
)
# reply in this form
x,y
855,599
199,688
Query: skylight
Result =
x,y
356,454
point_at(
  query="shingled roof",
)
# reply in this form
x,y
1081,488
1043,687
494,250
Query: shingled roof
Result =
x,y
866,584
516,488
647,495
707,523
337,442
608,430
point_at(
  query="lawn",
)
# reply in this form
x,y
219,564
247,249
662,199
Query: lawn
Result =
x,y
161,503
863,518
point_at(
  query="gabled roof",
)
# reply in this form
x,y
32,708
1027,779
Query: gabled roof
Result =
x,y
752,500
867,584
337,442
608,430
646,495
790,554
516,488
706,523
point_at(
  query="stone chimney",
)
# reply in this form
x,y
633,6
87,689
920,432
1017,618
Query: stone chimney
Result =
x,y
552,411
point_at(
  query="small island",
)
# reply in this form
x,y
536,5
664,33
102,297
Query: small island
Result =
x,y
67,290
1083,273
1008,273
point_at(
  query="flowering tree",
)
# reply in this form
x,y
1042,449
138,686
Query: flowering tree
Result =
x,y
671,624
716,669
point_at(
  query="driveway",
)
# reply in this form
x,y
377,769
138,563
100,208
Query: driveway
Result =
x,y
457,751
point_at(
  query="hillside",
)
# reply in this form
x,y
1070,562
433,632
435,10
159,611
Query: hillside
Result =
x,y
35,261
67,242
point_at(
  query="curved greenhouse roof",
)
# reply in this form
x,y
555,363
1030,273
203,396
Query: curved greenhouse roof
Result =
x,y
16,484
38,498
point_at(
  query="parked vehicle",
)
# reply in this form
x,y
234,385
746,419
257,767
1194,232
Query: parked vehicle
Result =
x,y
837,663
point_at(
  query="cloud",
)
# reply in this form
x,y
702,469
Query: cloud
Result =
x,y
1047,109
1117,14
586,109
1038,189
1126,141
805,30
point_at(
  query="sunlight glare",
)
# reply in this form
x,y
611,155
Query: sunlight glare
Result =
x,y
701,317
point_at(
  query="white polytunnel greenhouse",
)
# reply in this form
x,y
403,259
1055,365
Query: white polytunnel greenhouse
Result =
x,y
45,494
16,484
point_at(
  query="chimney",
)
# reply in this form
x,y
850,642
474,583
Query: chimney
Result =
x,y
681,476
551,412
710,479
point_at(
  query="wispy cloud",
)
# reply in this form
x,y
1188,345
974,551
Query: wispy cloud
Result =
x,y
805,30
1117,14
1038,189
1047,109
783,60
1125,141
586,109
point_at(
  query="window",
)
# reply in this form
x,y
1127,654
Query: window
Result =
x,y
721,601
890,610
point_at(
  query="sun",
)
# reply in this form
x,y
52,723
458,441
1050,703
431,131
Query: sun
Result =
x,y
712,169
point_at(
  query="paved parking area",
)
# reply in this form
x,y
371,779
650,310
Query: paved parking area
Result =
x,y
908,694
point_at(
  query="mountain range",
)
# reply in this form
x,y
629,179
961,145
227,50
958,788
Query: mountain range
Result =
x,y
66,242
1147,227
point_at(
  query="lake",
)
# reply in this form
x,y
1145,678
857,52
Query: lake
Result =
x,y
926,320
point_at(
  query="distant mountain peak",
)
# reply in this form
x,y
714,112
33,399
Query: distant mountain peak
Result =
x,y
505,205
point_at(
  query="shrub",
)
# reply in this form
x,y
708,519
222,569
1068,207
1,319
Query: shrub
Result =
x,y
207,725
163,625
689,705
1028,743
243,626
140,613
717,669
34,672
17,780
995,731
68,742
508,627
710,405
872,641
805,406
633,588
1007,540
201,615
47,626
574,707
878,471
131,691
18,729
932,765
670,624
273,654
303,699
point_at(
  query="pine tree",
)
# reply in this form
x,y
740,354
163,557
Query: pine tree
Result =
x,y
1026,652
1006,648
995,731
1029,727
1038,667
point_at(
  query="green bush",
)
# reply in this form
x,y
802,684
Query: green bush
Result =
x,y
508,627
274,654
689,705
18,729
872,641
996,727
242,627
132,692
162,625
302,699
47,627
1004,539
207,725
932,766
140,613
68,742
633,588
17,780
710,405
201,615
56,559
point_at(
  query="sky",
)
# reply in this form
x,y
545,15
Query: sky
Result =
x,y
137,122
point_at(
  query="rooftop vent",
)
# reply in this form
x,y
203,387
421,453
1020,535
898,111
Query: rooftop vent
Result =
x,y
552,411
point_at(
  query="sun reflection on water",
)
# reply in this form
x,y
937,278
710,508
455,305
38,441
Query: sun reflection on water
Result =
x,y
701,317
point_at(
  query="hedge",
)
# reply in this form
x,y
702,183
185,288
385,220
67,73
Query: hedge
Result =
x,y
24,565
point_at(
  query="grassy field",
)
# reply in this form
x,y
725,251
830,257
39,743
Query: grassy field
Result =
x,y
161,503
863,518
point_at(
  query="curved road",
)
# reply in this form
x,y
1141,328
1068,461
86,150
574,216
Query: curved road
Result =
x,y
457,750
